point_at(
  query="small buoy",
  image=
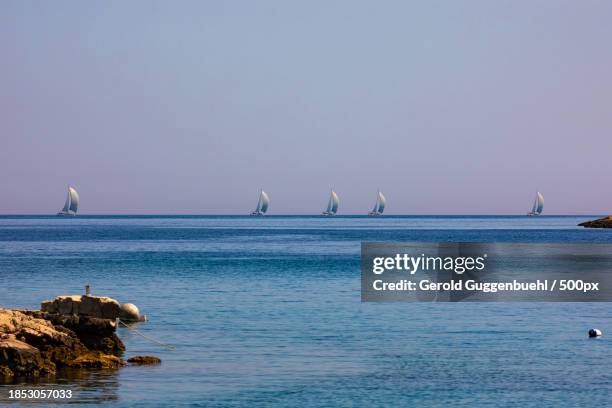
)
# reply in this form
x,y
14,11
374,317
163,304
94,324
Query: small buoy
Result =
x,y
130,313
595,333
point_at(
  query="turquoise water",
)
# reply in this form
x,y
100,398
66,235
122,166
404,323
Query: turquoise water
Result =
x,y
267,312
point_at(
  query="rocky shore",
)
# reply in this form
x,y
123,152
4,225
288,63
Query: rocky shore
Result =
x,y
69,332
605,222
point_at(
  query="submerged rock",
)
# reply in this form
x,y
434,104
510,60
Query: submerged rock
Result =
x,y
605,222
97,360
144,360
35,343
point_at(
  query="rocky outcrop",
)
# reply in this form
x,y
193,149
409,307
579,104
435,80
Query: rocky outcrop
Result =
x,y
18,358
605,222
94,333
68,332
93,306
140,360
37,343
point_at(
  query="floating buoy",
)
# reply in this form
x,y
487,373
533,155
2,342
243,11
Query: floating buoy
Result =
x,y
595,333
130,313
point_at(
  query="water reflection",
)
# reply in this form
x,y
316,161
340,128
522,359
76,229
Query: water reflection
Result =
x,y
86,386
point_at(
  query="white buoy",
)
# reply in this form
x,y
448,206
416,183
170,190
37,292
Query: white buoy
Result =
x,y
130,313
595,333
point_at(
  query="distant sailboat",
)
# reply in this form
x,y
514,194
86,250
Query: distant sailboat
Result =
x,y
332,205
538,204
379,206
262,204
72,203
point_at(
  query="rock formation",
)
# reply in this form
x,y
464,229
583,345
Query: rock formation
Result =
x,y
69,331
95,333
37,343
605,222
140,360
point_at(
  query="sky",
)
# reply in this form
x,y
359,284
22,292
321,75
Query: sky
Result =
x,y
190,107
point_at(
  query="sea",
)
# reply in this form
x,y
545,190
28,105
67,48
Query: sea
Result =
x,y
266,312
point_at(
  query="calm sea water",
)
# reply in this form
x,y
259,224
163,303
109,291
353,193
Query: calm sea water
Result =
x,y
267,312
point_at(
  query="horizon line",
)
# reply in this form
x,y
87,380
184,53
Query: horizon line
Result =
x,y
305,214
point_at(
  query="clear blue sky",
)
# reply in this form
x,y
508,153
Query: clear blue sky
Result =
x,y
192,106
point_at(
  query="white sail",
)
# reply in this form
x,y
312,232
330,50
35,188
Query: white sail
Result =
x,y
258,205
74,199
540,203
332,204
335,202
67,204
264,202
379,205
375,209
71,206
382,202
329,204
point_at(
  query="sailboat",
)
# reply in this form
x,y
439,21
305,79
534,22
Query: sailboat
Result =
x,y
538,204
332,205
72,203
262,204
379,206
